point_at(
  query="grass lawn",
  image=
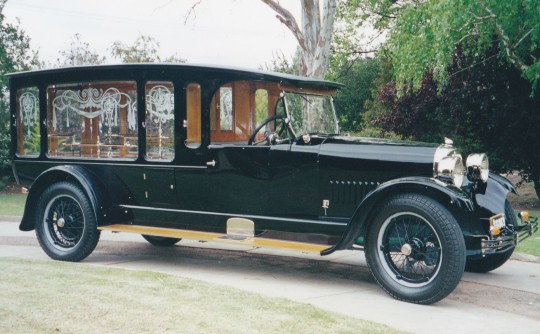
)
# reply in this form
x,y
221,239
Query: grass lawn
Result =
x,y
532,244
60,297
12,205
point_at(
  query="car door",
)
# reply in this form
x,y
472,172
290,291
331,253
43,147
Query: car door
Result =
x,y
237,178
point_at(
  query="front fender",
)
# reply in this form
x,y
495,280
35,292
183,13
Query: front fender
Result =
x,y
492,196
80,175
448,195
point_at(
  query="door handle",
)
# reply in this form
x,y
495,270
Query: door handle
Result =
x,y
211,163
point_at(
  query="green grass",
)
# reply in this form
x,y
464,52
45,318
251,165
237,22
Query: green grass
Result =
x,y
12,205
60,297
531,245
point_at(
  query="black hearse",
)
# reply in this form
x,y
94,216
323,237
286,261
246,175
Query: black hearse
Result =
x,y
177,152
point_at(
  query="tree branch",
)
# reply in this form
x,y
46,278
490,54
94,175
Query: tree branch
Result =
x,y
512,56
191,11
522,38
286,17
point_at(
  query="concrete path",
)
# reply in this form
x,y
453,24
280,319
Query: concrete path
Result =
x,y
340,282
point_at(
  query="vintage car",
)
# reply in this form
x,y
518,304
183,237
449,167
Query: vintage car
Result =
x,y
177,152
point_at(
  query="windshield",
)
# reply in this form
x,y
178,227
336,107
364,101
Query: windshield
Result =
x,y
311,113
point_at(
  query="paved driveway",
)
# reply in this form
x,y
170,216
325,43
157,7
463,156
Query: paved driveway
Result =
x,y
505,300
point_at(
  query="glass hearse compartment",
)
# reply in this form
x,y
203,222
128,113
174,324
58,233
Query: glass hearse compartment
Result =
x,y
177,152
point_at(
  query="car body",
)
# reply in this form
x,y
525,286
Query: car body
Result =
x,y
220,154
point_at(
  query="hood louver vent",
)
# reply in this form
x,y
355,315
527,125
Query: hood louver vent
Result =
x,y
350,192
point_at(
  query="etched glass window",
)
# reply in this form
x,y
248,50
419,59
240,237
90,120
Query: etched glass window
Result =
x,y
226,108
28,126
159,121
93,120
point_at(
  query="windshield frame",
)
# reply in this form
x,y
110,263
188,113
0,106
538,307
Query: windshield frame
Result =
x,y
333,115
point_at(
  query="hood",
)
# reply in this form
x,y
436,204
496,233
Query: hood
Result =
x,y
374,149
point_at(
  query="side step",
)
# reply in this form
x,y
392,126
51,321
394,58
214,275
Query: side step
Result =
x,y
215,237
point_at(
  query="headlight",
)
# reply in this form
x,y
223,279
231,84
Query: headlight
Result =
x,y
452,168
478,167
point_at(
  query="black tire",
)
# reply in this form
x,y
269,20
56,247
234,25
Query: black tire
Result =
x,y
415,249
494,261
161,241
66,226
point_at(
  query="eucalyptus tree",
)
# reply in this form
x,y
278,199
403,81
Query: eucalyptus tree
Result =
x,y
313,32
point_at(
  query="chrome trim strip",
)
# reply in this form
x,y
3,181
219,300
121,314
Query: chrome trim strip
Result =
x,y
501,244
104,162
498,245
292,220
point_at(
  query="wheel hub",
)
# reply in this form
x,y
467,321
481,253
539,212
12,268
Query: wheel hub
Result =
x,y
61,222
406,249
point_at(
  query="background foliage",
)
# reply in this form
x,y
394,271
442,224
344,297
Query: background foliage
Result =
x,y
419,70
15,55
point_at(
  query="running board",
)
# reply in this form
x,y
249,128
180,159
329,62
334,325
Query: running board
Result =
x,y
215,237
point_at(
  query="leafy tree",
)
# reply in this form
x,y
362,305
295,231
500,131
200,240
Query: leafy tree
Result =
x,y
15,55
424,34
79,53
361,27
485,105
358,77
145,49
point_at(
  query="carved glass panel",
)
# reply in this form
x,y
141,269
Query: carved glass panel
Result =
x,y
27,120
93,120
159,121
226,108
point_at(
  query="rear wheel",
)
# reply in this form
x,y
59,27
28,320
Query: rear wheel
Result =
x,y
66,225
161,241
415,249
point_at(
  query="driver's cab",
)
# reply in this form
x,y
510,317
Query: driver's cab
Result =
x,y
238,107
267,131
266,113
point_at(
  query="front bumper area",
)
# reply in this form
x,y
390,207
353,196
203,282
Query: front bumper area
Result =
x,y
509,238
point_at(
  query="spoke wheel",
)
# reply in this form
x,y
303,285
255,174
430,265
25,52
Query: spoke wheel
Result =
x,y
66,226
64,222
415,249
410,250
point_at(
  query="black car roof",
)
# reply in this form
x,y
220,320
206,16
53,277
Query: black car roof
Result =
x,y
248,74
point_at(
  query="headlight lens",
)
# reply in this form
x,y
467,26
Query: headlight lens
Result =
x,y
452,167
478,167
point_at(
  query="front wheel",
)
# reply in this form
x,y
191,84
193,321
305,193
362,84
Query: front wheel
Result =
x,y
415,249
66,226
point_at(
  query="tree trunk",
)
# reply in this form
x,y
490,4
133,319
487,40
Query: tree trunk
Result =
x,y
314,35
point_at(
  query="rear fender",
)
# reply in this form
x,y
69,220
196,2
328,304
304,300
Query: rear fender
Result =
x,y
456,200
77,174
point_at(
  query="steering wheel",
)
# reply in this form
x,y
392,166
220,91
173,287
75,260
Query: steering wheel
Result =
x,y
267,134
